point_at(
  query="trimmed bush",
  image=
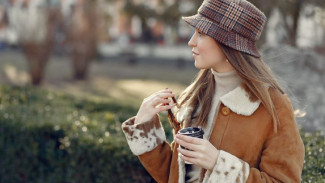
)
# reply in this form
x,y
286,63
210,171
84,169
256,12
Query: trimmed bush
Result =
x,y
314,165
48,137
51,137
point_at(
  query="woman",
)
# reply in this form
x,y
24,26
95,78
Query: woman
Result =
x,y
250,130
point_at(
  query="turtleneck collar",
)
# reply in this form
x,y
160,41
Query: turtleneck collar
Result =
x,y
225,81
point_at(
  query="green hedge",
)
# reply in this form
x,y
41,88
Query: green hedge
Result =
x,y
51,137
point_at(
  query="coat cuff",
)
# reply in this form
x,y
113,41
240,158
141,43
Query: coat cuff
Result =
x,y
143,137
228,169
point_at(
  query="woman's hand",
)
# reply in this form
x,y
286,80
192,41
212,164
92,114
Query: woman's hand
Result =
x,y
202,153
154,104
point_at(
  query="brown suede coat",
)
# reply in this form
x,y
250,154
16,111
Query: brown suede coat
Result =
x,y
247,138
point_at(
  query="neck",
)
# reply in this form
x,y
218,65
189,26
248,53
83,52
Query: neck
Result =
x,y
223,67
225,81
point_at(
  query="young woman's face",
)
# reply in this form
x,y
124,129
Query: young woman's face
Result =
x,y
207,53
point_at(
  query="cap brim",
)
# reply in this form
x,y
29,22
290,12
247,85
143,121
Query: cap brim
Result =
x,y
221,35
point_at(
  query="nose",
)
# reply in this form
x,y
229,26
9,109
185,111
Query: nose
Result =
x,y
192,41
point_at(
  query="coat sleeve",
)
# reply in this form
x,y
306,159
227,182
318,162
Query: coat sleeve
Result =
x,y
148,141
281,160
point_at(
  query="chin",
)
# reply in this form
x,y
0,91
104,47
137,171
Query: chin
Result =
x,y
199,66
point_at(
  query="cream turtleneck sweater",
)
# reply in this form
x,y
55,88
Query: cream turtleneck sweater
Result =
x,y
224,83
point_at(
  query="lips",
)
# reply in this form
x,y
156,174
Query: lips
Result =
x,y
194,53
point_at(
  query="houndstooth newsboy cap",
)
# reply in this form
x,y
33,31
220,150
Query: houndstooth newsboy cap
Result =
x,y
234,23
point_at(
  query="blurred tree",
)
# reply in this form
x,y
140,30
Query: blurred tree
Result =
x,y
168,12
291,11
81,35
320,3
34,23
266,7
144,12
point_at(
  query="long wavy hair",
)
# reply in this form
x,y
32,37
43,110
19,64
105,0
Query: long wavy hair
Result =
x,y
256,78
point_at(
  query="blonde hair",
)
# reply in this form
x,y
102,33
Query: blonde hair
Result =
x,y
256,78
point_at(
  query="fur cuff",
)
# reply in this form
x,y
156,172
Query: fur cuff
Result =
x,y
143,137
228,169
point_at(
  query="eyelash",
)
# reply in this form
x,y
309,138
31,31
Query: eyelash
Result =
x,y
200,33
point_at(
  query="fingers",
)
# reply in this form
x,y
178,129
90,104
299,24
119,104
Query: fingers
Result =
x,y
187,144
158,101
162,104
164,107
187,153
159,98
154,104
163,94
201,152
188,159
188,139
165,91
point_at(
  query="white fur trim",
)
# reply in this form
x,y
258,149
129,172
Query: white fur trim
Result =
x,y
184,114
228,169
181,169
238,101
143,137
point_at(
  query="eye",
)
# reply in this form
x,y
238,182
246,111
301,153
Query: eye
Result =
x,y
200,33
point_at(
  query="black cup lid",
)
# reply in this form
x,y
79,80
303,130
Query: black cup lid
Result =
x,y
191,130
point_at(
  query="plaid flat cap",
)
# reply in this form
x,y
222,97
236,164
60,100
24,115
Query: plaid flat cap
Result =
x,y
234,23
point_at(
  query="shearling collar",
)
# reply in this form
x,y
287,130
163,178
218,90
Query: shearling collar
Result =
x,y
236,100
239,102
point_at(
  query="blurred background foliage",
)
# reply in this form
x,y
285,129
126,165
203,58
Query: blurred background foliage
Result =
x,y
72,70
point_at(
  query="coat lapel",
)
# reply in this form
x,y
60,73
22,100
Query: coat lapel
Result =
x,y
238,101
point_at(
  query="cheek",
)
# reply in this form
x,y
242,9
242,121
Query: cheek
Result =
x,y
204,50
212,53
208,53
